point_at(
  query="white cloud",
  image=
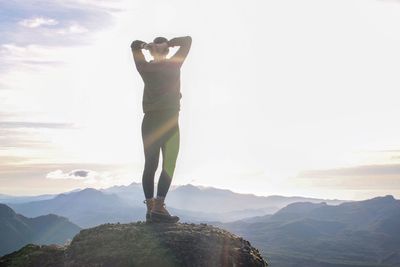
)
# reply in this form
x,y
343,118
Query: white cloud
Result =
x,y
32,55
41,24
87,176
73,29
59,174
106,4
37,22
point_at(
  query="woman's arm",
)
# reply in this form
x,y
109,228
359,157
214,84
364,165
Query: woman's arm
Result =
x,y
185,43
140,60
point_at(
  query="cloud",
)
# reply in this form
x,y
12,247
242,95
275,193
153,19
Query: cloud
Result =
x,y
75,174
12,159
28,56
87,176
27,175
389,151
365,170
393,153
81,173
3,86
29,29
366,177
19,134
28,124
23,134
41,169
5,114
73,29
40,22
17,139
37,22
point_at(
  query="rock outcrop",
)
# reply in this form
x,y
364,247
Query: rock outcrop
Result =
x,y
141,244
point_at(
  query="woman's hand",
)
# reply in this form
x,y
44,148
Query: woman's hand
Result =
x,y
147,46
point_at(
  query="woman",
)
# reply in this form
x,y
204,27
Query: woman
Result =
x,y
160,127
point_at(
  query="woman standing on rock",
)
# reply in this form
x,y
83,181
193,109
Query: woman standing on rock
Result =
x,y
160,127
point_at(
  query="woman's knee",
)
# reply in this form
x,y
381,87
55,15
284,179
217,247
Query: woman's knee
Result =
x,y
151,165
169,168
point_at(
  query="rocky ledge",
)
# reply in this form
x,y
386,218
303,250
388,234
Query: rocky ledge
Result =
x,y
141,244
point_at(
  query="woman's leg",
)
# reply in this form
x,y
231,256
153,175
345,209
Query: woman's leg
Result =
x,y
151,154
170,150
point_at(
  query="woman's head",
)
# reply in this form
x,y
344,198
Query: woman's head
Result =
x,y
159,48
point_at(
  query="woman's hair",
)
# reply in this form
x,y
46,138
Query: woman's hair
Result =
x,y
159,40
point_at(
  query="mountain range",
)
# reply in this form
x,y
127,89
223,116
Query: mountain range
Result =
x,y
288,231
90,207
361,233
17,230
4,198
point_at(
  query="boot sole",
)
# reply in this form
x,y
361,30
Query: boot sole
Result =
x,y
163,218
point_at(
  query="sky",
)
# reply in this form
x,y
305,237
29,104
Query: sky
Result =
x,y
280,97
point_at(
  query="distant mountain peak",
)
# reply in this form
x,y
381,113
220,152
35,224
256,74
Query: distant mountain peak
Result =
x,y
382,200
300,207
6,211
389,197
87,190
52,216
84,192
134,184
188,187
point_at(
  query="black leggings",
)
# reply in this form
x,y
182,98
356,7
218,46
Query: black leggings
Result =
x,y
160,130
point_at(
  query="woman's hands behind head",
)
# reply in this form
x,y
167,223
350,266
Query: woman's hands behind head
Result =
x,y
158,48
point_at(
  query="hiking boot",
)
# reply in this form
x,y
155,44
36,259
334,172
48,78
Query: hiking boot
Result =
x,y
150,204
160,214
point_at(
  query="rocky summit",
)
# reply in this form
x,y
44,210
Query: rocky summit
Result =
x,y
141,244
